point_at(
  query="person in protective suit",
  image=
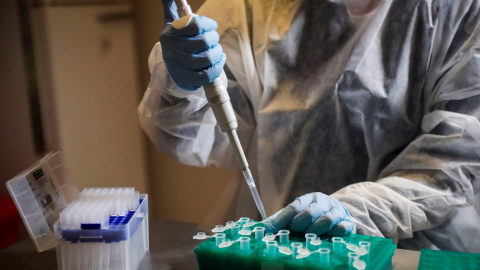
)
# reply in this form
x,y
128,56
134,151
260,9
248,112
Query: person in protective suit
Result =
x,y
373,102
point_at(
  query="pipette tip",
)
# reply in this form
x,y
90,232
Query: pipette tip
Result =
x,y
253,189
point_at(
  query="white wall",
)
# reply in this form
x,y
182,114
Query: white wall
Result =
x,y
91,90
179,192
16,136
90,70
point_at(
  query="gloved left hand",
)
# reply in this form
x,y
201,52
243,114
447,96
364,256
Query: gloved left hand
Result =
x,y
312,213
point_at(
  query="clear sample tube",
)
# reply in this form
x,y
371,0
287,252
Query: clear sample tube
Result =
x,y
200,236
243,220
219,238
271,248
308,238
315,242
365,249
284,237
268,237
235,229
295,247
359,265
337,244
218,228
245,232
352,257
244,243
259,233
324,256
365,246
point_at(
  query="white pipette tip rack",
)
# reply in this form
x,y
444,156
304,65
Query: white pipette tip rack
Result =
x,y
96,205
102,228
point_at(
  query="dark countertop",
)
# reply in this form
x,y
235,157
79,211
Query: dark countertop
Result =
x,y
171,247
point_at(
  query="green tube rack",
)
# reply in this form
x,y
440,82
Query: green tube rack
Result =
x,y
211,257
438,259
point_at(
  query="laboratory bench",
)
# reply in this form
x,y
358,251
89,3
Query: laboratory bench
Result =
x,y
171,247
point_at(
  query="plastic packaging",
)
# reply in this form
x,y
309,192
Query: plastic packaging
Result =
x,y
40,193
121,244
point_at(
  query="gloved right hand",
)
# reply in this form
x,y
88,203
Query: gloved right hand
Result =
x,y
312,213
192,54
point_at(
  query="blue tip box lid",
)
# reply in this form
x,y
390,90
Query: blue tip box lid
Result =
x,y
119,227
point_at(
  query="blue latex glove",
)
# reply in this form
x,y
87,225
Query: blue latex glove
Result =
x,y
312,213
192,54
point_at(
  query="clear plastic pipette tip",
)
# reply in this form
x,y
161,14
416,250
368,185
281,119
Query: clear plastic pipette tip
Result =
x,y
256,197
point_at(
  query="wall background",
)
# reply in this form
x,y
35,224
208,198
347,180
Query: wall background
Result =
x,y
176,191
17,150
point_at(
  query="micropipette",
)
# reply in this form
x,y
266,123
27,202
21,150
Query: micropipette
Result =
x,y
219,101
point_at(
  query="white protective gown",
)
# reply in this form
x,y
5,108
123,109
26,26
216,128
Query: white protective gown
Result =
x,y
381,110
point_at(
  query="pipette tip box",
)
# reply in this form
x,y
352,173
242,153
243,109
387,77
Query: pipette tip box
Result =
x,y
118,240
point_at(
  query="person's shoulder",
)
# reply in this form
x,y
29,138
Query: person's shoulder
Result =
x,y
219,7
228,14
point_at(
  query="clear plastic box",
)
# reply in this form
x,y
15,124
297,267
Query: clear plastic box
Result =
x,y
40,193
43,190
120,245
